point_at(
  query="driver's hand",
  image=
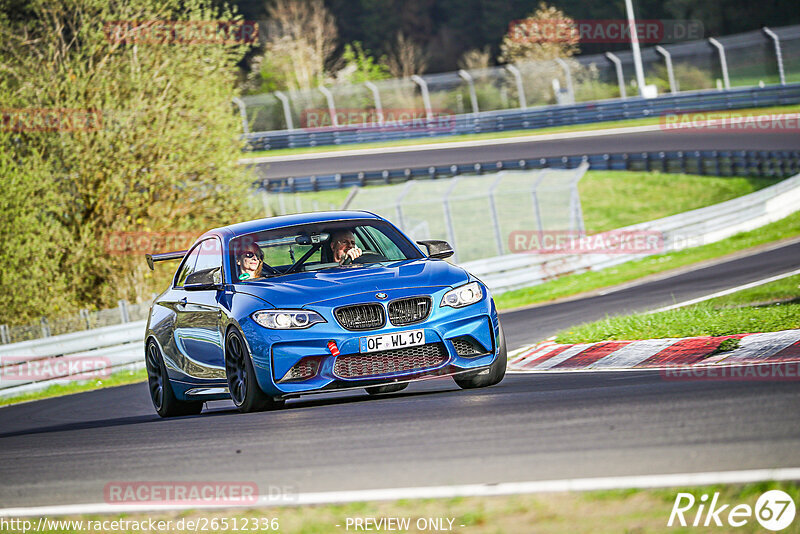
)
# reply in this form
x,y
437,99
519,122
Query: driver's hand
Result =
x,y
353,253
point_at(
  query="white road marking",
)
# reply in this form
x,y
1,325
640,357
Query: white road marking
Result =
x,y
532,355
633,354
728,291
439,492
761,346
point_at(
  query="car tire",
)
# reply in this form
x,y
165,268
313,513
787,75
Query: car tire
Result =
x,y
497,370
389,388
164,400
242,384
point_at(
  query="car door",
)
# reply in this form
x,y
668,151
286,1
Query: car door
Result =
x,y
198,337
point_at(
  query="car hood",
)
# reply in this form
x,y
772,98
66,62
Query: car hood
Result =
x,y
301,289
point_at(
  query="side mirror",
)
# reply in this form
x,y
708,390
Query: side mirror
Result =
x,y
437,249
202,280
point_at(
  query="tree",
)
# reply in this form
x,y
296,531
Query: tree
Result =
x,y
360,66
301,38
406,57
546,34
152,147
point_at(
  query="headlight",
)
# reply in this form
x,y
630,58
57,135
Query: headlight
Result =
x,y
287,319
463,295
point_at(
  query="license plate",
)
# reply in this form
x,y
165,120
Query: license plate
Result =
x,y
398,340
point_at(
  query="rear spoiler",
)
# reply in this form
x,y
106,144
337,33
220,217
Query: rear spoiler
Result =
x,y
164,256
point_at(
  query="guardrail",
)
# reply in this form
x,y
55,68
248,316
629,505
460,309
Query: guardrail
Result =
x,y
693,228
709,162
37,364
533,118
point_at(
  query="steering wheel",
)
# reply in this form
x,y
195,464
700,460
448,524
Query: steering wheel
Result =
x,y
367,256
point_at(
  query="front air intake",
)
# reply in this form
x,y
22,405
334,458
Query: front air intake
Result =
x,y
408,311
361,316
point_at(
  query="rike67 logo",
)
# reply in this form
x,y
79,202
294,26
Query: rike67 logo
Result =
x,y
774,510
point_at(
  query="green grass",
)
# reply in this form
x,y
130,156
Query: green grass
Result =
x,y
609,199
611,511
722,316
493,135
576,284
116,379
614,199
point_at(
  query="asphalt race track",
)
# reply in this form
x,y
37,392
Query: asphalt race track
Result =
x,y
529,427
694,139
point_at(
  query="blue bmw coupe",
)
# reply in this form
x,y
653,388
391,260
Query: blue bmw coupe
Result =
x,y
267,310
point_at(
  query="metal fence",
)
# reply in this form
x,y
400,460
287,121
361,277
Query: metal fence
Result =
x,y
532,118
692,228
749,59
473,214
705,162
84,320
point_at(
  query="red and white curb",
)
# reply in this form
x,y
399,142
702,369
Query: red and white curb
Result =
x,y
769,347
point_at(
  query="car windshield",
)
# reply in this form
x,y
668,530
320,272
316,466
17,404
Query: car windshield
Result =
x,y
318,246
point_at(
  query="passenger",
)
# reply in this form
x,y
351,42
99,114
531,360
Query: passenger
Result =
x,y
250,262
343,245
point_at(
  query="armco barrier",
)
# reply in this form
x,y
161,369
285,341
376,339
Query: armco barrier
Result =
x,y
696,227
118,347
533,118
708,162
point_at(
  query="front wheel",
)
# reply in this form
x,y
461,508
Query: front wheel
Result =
x,y
488,377
164,400
242,384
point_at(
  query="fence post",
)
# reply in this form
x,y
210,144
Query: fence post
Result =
x,y
426,98
620,76
473,98
568,74
778,55
84,313
520,88
535,195
45,327
123,311
722,61
495,219
331,104
670,73
376,96
4,337
287,112
399,200
243,112
575,198
448,219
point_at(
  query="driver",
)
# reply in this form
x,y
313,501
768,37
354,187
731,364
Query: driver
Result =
x,y
250,262
343,245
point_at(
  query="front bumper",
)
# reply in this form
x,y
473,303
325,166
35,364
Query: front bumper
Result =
x,y
275,352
